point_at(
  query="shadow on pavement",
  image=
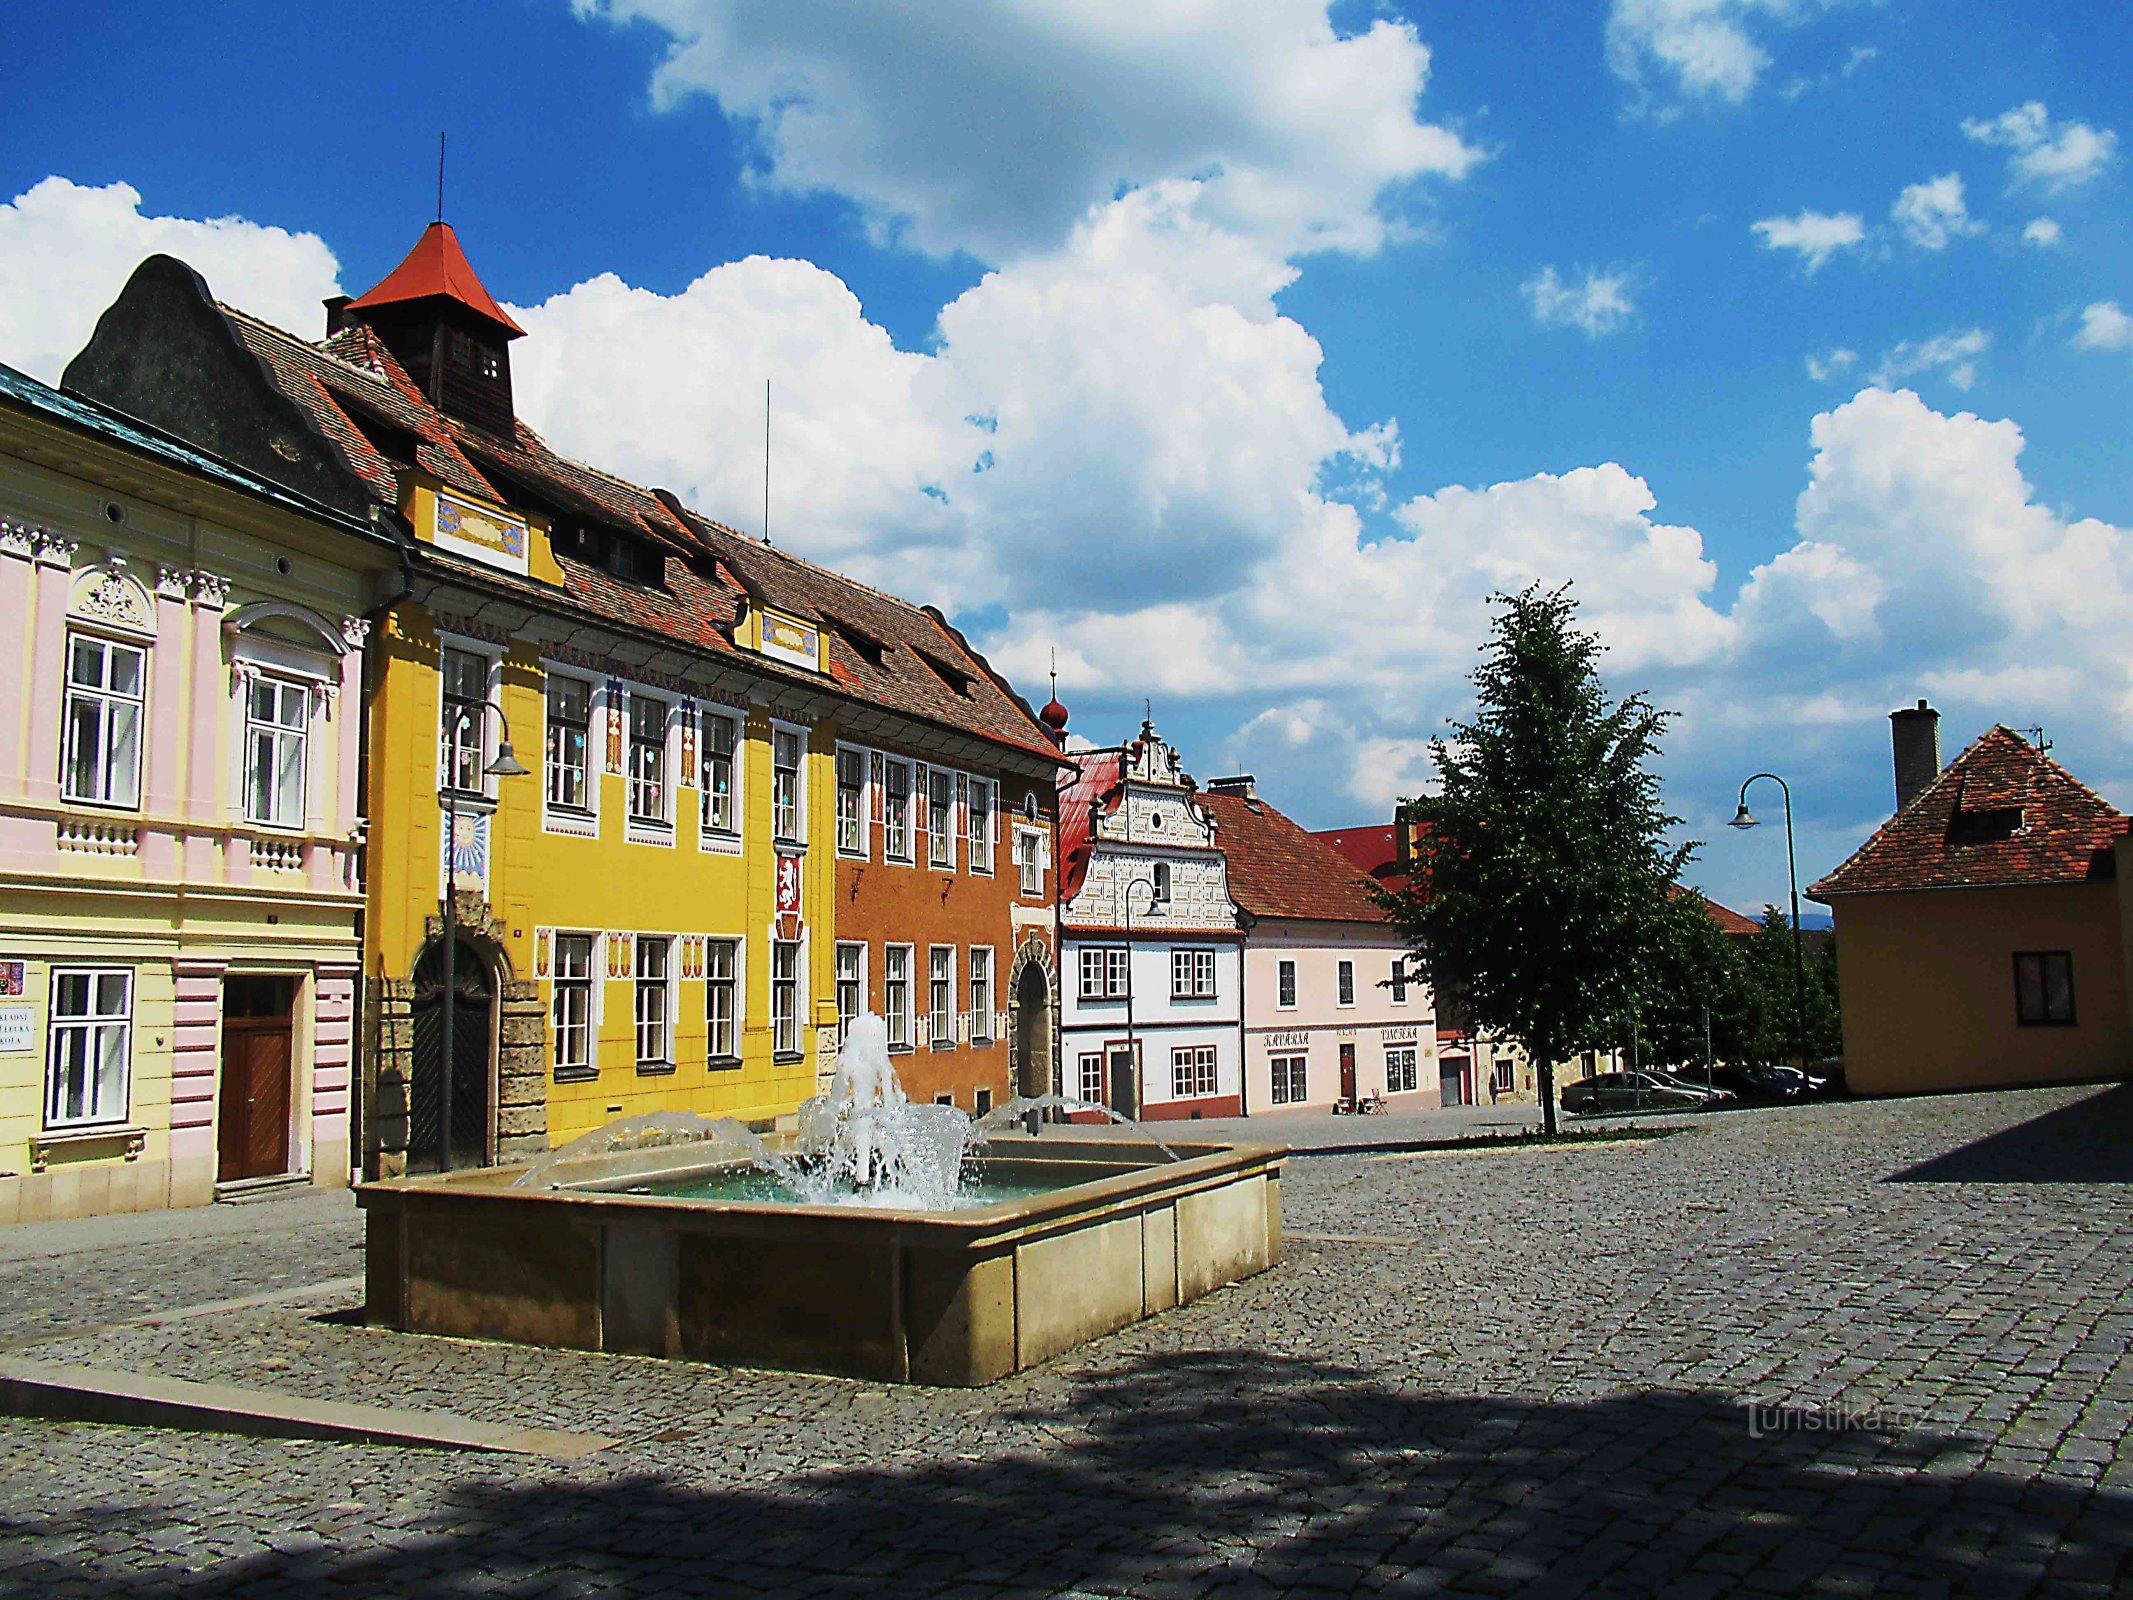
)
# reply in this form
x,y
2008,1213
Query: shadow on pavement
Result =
x,y
2090,1141
1238,1472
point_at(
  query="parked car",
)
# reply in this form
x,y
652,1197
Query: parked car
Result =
x,y
1766,1084
1716,1094
1625,1091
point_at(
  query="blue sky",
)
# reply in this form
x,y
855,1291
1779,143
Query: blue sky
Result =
x,y
1239,350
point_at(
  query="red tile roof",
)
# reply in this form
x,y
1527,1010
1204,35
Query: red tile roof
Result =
x,y
2002,814
1729,921
352,383
1276,869
436,266
1091,790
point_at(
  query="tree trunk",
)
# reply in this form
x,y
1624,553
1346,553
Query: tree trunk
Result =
x,y
1546,1071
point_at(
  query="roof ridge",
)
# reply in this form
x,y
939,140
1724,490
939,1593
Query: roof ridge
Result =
x,y
303,344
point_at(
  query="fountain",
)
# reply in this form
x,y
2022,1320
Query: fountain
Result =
x,y
876,1237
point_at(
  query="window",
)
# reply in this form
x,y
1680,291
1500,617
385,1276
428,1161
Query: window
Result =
x,y
1192,974
1192,1071
940,850
1399,982
1161,881
1291,1080
980,821
569,741
851,802
1103,974
981,1102
940,995
785,998
722,993
101,761
980,995
1501,1076
786,750
896,811
1347,983
570,1007
1399,1069
720,736
276,718
1092,1079
851,987
648,758
896,994
1029,860
463,732
655,1051
1285,985
2044,988
90,1046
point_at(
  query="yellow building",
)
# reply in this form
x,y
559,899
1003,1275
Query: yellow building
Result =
x,y
631,716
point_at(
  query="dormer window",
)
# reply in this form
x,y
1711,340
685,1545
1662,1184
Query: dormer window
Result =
x,y
1984,826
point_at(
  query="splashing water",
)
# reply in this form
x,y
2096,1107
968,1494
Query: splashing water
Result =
x,y
866,1138
719,1137
1002,1118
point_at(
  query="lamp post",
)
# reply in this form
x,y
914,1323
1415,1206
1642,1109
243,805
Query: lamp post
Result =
x,y
1741,819
506,765
1133,1049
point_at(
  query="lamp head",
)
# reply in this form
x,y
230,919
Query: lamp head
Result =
x,y
506,765
1741,819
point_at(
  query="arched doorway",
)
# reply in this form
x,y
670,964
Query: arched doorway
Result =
x,y
1033,1031
473,1056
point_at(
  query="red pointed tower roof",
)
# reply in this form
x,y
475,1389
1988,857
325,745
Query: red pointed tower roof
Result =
x,y
437,267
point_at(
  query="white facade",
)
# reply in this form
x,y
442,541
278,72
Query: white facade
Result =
x,y
1326,1021
1151,972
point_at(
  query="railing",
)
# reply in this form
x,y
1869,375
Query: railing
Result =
x,y
277,855
95,837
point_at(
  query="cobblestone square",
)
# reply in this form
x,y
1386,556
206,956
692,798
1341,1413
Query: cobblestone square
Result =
x,y
1851,1348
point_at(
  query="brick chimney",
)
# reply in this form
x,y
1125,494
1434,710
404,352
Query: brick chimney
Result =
x,y
1915,733
1241,785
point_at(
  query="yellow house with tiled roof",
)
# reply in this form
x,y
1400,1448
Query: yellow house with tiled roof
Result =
x,y
624,718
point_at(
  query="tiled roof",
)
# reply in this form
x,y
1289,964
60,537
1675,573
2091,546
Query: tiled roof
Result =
x,y
1092,788
2002,814
881,650
1373,850
1276,869
1729,921
436,266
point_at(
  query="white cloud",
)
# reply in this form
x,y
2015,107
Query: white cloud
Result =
x,y
2050,155
2041,232
1932,213
66,249
1813,235
2104,326
1597,304
1705,49
1953,353
995,135
1834,364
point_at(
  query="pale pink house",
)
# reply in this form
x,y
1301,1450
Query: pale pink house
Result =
x,y
1331,1014
180,826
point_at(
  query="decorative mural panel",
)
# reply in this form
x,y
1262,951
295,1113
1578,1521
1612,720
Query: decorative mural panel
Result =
x,y
787,638
485,533
463,851
616,718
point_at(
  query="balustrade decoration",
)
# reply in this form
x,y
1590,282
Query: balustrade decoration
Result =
x,y
93,836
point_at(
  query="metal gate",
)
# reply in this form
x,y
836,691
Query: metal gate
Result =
x,y
473,1050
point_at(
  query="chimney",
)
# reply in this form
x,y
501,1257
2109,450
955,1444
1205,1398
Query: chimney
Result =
x,y
1242,785
337,316
1915,732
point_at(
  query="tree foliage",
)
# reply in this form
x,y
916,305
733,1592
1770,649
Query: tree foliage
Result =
x,y
1541,893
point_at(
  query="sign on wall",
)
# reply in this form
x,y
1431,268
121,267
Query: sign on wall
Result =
x,y
18,1029
493,537
789,639
14,983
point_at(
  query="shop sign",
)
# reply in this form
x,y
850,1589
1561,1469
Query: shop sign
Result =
x,y
18,1030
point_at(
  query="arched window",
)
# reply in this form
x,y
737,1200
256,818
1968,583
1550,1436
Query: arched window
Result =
x,y
1162,883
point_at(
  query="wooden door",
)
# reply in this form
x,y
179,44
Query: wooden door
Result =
x,y
252,1140
1348,1073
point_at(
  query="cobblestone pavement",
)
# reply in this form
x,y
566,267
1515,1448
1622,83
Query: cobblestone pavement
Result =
x,y
1855,1347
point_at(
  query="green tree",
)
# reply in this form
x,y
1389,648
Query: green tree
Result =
x,y
1768,980
1694,965
1541,893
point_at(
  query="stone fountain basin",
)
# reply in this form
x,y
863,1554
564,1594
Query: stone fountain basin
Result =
x,y
936,1297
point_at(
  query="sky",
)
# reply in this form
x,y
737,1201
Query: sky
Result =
x,y
1232,353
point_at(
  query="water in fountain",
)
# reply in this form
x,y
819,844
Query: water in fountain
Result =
x,y
866,1142
1003,1118
720,1138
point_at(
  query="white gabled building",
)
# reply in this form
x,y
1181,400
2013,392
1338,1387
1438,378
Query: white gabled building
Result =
x,y
1151,976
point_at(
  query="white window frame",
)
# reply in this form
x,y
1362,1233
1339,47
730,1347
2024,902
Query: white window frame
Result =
x,y
785,992
1159,885
1191,1067
730,985
940,996
276,733
1344,985
92,1026
1285,984
1399,981
660,822
1029,862
797,832
854,846
979,821
588,985
1109,964
642,988
1402,1070
595,695
891,822
1291,1078
485,735
1192,973
897,1017
723,837
944,823
108,703
981,985
856,981
1091,1059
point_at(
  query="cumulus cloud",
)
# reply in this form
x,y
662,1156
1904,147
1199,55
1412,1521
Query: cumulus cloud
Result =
x,y
1953,354
2046,154
1709,50
1813,235
1932,213
66,249
2104,326
1597,303
2041,232
995,137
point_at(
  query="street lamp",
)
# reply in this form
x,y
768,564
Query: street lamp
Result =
x,y
1133,1050
506,765
1741,819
